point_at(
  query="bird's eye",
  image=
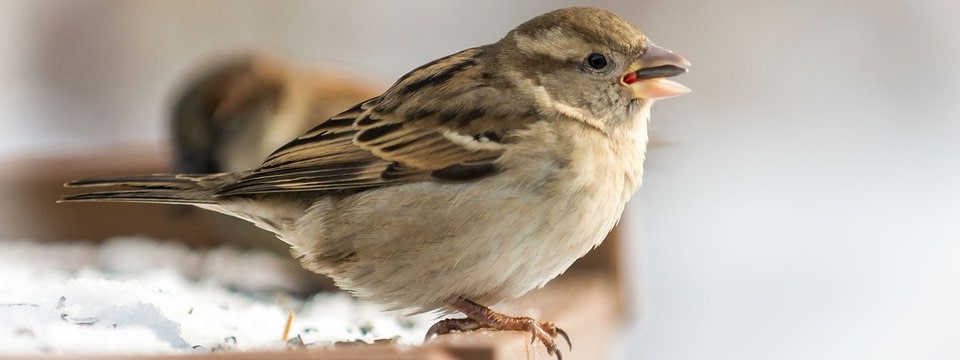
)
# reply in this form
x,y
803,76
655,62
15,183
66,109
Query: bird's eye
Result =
x,y
596,61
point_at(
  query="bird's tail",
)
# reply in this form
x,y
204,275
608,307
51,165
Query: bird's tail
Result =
x,y
165,189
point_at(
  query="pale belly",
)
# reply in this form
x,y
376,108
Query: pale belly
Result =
x,y
414,246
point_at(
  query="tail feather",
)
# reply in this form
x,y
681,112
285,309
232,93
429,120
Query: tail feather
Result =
x,y
160,188
141,196
162,181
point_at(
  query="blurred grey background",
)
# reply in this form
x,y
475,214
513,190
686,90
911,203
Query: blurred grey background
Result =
x,y
804,204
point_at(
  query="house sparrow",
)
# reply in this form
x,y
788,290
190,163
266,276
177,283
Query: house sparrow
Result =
x,y
473,179
234,112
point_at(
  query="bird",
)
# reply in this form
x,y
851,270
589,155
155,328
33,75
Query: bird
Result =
x,y
472,180
233,111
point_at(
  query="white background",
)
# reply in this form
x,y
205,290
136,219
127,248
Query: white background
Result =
x,y
804,204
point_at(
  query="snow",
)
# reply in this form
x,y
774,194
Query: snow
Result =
x,y
138,296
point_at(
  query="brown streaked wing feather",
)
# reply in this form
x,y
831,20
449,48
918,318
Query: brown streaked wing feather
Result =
x,y
442,121
324,158
331,141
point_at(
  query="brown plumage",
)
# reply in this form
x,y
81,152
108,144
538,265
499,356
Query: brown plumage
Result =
x,y
473,179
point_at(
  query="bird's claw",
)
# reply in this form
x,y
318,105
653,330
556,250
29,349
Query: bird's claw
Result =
x,y
565,337
554,331
481,317
546,332
447,326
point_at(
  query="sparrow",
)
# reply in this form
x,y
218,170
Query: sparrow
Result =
x,y
473,179
234,112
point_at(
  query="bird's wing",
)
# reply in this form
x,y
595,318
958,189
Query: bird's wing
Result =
x,y
443,121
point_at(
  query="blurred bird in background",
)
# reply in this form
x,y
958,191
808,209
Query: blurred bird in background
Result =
x,y
233,113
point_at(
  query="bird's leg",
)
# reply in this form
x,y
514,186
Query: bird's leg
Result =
x,y
482,317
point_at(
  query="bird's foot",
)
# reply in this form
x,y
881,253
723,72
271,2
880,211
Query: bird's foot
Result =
x,y
482,317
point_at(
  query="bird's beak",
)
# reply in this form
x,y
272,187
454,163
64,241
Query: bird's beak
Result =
x,y
647,75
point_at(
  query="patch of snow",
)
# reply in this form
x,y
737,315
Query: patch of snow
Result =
x,y
137,296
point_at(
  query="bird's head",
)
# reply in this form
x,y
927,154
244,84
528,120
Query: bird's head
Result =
x,y
590,61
